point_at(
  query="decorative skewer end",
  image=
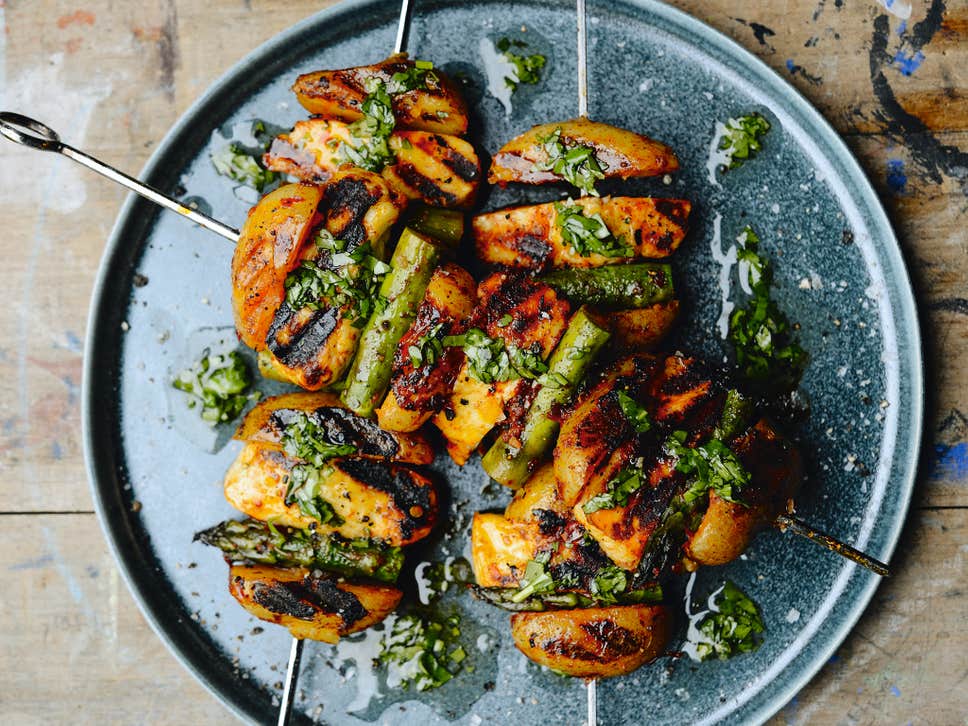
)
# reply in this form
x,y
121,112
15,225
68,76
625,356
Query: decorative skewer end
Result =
x,y
785,522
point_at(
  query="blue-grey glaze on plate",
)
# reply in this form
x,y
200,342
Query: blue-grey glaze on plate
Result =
x,y
653,70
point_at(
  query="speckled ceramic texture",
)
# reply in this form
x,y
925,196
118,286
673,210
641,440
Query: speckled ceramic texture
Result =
x,y
654,70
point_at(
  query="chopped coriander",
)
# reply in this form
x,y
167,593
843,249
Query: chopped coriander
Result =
x,y
760,332
637,415
368,146
219,383
348,280
428,348
536,581
587,234
491,360
576,164
731,628
526,68
609,582
423,651
741,138
304,439
236,163
411,79
710,466
618,491
303,490
505,320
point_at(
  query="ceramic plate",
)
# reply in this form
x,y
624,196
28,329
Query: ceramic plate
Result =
x,y
163,295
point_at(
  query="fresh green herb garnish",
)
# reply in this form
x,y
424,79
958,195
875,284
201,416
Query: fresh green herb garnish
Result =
x,y
710,466
304,439
618,491
369,144
422,651
219,383
731,630
741,138
536,580
412,78
609,583
760,332
587,235
491,360
236,163
428,348
637,415
576,164
303,491
349,280
527,68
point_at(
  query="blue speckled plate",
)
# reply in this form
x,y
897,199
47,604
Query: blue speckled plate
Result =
x,y
163,294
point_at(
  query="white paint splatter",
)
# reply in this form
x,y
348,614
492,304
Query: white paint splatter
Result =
x,y
497,68
716,158
898,8
726,260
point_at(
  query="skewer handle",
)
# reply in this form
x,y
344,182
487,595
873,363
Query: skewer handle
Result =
x,y
591,688
403,27
785,522
292,675
582,61
29,132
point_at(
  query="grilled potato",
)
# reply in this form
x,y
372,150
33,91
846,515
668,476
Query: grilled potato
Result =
x,y
361,208
439,170
620,153
269,247
537,316
417,392
371,499
596,642
642,329
539,493
596,428
530,236
312,606
500,549
267,422
776,473
438,108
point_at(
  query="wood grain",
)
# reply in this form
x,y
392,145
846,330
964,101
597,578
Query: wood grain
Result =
x,y
114,76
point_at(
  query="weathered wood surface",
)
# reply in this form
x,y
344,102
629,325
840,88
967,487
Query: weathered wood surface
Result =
x,y
114,76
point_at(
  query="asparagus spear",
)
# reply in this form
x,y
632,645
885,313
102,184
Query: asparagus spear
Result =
x,y
737,410
412,266
256,541
569,362
444,225
503,597
615,286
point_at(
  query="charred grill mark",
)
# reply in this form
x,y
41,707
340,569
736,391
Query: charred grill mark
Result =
x,y
279,598
466,169
341,426
334,600
425,186
306,598
299,345
534,248
613,640
410,495
549,522
675,209
349,199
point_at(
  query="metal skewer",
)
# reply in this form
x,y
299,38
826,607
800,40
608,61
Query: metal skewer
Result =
x,y
292,675
785,522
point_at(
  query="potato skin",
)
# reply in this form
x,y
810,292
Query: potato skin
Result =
x,y
266,423
376,500
339,94
529,236
596,642
269,248
621,153
311,607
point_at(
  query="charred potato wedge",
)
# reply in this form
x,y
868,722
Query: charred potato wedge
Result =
x,y
372,499
539,493
267,422
311,606
438,108
537,316
361,207
269,248
439,170
417,392
530,237
596,642
642,329
776,474
620,153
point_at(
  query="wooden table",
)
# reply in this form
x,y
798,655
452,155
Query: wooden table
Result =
x,y
113,76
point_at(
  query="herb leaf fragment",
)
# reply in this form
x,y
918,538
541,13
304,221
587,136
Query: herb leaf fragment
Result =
x,y
618,491
422,651
491,360
732,629
587,234
741,138
219,383
527,68
711,465
576,164
304,439
369,144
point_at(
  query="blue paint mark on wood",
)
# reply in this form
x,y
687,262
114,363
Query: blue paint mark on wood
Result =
x,y
908,64
895,691
896,178
951,462
34,564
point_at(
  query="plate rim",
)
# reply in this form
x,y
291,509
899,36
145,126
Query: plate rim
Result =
x,y
694,28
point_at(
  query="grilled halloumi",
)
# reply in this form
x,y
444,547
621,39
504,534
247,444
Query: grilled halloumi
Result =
x,y
437,169
436,106
619,152
371,499
361,208
311,604
267,423
531,237
522,312
418,391
642,329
